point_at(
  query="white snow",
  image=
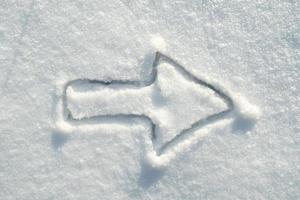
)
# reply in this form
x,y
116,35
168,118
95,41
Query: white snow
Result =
x,y
250,50
158,43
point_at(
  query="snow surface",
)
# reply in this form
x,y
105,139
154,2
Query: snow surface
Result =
x,y
248,49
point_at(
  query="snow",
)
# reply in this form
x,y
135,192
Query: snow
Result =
x,y
249,50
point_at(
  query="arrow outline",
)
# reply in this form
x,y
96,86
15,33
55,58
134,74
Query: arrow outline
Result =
x,y
159,58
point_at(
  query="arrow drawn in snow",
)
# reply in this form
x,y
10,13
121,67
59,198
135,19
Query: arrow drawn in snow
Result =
x,y
80,105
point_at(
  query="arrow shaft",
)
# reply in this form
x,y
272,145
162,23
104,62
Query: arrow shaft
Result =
x,y
86,100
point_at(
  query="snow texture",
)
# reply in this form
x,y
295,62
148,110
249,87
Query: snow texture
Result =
x,y
250,50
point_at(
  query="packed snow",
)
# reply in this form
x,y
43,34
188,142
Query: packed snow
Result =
x,y
66,133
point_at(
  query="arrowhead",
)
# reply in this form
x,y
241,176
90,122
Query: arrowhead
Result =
x,y
180,101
